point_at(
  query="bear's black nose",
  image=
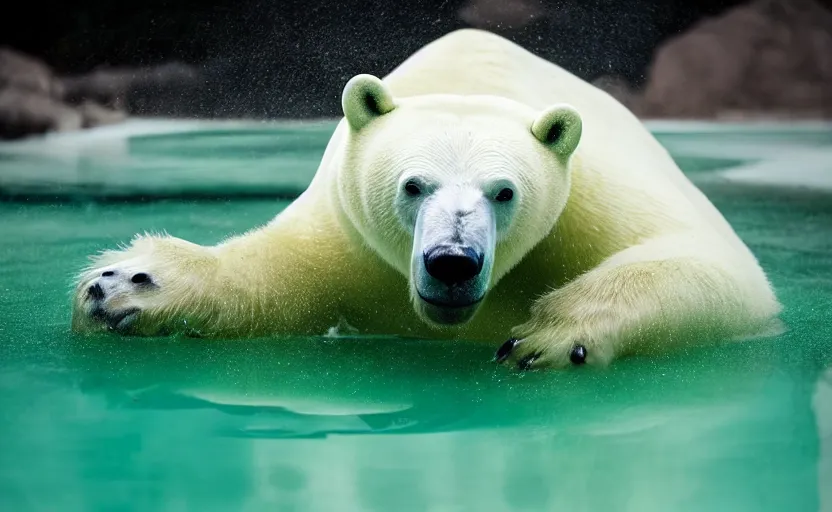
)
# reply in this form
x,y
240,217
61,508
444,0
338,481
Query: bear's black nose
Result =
x,y
453,264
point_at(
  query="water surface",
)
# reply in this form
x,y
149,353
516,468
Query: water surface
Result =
x,y
383,424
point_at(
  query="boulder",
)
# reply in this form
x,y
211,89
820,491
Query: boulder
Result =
x,y
24,112
767,57
27,73
32,100
94,114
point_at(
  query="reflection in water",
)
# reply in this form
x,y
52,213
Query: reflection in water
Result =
x,y
822,404
292,428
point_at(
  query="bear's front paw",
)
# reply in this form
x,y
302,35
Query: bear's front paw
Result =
x,y
156,286
113,297
556,345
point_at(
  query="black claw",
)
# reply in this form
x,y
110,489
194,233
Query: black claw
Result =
x,y
140,278
578,355
505,350
96,292
527,362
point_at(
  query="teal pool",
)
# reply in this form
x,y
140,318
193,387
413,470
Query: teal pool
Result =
x,y
377,424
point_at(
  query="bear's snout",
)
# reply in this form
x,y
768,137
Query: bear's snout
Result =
x,y
453,264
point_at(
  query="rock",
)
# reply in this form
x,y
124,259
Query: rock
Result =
x,y
25,112
27,73
31,100
94,115
767,56
130,88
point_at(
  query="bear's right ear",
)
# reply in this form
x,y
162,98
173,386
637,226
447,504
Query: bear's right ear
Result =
x,y
560,127
365,98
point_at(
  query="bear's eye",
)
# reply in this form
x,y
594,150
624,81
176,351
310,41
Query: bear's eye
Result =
x,y
505,195
412,188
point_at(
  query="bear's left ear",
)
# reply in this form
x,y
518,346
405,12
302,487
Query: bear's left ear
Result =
x,y
365,98
559,126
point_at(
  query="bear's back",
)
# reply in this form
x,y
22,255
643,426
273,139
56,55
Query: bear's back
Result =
x,y
615,146
475,62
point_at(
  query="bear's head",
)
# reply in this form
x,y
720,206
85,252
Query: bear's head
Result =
x,y
453,191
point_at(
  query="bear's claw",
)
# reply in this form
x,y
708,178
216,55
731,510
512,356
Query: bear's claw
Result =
x,y
527,363
505,349
578,355
528,358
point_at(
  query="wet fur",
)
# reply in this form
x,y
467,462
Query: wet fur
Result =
x,y
638,261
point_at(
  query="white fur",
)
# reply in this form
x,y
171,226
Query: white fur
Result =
x,y
607,243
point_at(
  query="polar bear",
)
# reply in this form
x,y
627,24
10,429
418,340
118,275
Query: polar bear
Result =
x,y
477,192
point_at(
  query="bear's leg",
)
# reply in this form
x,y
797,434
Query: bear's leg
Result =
x,y
668,291
285,278
156,279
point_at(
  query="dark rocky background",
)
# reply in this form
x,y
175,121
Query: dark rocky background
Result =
x,y
80,63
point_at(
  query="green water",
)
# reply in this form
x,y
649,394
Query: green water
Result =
x,y
111,424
